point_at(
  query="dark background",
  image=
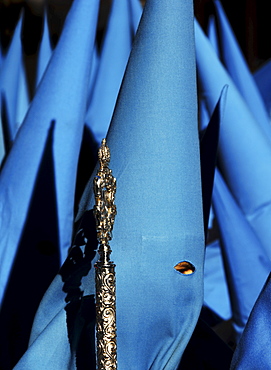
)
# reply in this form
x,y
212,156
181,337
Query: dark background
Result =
x,y
250,20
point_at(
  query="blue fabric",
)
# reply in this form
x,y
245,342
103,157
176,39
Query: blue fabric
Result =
x,y
14,91
215,286
23,100
113,60
135,13
212,34
236,65
262,77
208,155
204,116
2,148
93,75
35,264
45,50
63,333
153,138
252,351
5,126
216,292
154,145
64,83
9,78
211,218
244,149
2,134
241,249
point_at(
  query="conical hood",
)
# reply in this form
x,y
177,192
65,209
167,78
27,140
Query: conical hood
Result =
x,y
241,249
115,52
215,286
23,99
135,13
45,50
212,34
154,146
61,97
244,148
208,156
10,75
153,138
236,65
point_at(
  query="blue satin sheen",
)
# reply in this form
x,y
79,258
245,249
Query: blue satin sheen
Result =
x,y
252,351
216,294
263,81
154,148
18,175
244,147
236,65
153,138
116,48
23,100
45,50
212,34
9,78
240,249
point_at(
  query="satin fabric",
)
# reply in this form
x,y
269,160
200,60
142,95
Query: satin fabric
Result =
x,y
153,138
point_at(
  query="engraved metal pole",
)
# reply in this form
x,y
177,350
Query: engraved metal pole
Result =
x,y
104,212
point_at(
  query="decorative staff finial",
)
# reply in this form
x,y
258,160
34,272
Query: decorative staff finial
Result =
x,y
105,212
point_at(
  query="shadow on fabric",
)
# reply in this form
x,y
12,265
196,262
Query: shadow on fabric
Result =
x,y
80,308
35,265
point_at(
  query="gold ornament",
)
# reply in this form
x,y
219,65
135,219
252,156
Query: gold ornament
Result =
x,y
105,212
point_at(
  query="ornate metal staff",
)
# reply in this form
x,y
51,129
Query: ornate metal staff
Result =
x,y
104,212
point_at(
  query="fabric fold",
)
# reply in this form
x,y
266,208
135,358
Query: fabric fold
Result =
x,y
240,249
153,139
244,147
59,85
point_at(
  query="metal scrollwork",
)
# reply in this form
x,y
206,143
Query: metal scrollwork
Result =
x,y
105,212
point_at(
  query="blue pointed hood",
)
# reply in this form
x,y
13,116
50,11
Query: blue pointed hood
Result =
x,y
241,249
153,138
212,34
244,147
135,13
208,155
215,286
61,97
45,50
113,60
235,63
10,76
23,98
